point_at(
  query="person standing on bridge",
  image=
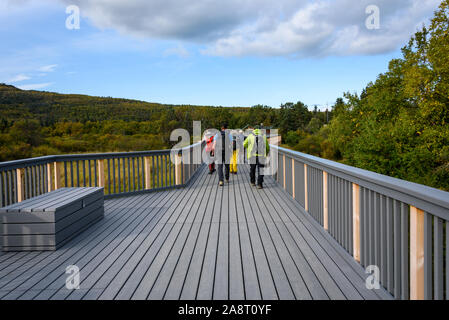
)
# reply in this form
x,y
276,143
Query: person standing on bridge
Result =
x,y
223,152
210,150
257,150
235,154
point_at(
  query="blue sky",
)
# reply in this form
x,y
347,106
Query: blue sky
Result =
x,y
229,54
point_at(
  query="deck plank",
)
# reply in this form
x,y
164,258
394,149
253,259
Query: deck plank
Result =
x,y
130,276
111,257
94,250
221,280
353,271
190,286
250,275
236,282
295,263
187,236
179,230
283,285
282,262
22,278
207,275
352,285
330,266
267,280
178,277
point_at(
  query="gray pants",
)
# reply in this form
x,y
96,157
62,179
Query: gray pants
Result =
x,y
256,164
220,171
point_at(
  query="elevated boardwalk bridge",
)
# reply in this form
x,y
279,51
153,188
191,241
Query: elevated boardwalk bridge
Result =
x,y
170,232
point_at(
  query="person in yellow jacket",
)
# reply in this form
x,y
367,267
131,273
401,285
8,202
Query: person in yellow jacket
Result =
x,y
235,153
257,151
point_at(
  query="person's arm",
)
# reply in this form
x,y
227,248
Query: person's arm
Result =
x,y
245,143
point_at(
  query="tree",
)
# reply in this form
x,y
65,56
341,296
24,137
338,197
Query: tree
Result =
x,y
293,117
27,131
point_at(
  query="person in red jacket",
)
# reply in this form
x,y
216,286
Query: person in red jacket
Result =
x,y
210,148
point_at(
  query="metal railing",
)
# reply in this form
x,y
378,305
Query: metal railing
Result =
x,y
399,226
119,173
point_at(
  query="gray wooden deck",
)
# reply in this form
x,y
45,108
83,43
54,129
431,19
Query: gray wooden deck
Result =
x,y
200,242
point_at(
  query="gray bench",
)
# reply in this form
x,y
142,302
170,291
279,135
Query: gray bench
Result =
x,y
48,221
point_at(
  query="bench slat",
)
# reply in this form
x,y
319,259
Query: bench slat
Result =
x,y
16,207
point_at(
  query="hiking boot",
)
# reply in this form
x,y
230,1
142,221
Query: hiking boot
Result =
x,y
259,186
253,184
221,183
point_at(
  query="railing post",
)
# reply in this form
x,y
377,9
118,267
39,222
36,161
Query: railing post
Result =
x,y
356,221
57,169
100,166
325,203
293,179
283,168
49,180
147,173
306,192
416,254
20,195
178,169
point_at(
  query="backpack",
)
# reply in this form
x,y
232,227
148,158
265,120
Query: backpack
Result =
x,y
223,145
209,143
260,147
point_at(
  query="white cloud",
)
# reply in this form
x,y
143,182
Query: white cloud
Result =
x,y
324,28
298,28
18,78
48,68
200,20
35,86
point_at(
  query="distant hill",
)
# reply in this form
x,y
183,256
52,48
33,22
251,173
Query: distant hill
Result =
x,y
37,123
49,107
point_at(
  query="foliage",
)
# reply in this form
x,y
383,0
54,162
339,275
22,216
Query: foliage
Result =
x,y
399,125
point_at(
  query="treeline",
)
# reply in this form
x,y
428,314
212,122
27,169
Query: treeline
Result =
x,y
34,123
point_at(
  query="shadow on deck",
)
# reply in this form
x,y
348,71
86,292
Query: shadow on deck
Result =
x,y
200,242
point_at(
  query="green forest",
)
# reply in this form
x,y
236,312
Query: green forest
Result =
x,y
398,125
